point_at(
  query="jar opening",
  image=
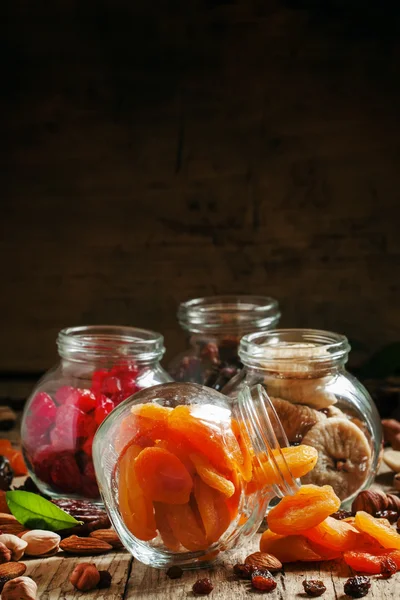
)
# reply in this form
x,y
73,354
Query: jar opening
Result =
x,y
228,314
294,350
268,437
104,342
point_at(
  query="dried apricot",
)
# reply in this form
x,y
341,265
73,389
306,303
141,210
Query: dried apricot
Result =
x,y
246,467
308,507
17,462
213,510
164,528
299,460
233,502
288,548
181,450
145,424
386,536
186,528
374,564
333,534
136,510
211,476
162,476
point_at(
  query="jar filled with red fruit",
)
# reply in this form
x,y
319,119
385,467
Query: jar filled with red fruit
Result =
x,y
100,367
318,402
215,326
187,473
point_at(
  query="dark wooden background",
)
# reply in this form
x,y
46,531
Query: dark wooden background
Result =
x,y
157,151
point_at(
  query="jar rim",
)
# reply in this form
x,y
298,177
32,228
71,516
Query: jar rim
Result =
x,y
238,313
287,346
105,341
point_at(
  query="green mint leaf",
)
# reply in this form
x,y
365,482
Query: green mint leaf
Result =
x,y
36,512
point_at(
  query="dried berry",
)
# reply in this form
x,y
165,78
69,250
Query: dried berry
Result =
x,y
6,474
105,580
390,515
263,581
388,567
202,587
314,587
92,515
175,572
243,571
342,514
357,587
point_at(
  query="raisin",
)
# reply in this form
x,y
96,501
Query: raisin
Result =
x,y
105,580
202,587
390,515
357,587
175,572
243,571
339,515
6,474
388,567
314,587
263,581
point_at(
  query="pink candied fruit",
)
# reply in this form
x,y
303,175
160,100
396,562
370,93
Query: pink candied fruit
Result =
x,y
65,473
97,380
104,407
66,393
42,414
86,400
111,385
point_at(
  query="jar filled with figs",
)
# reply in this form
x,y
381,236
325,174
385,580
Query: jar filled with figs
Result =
x,y
318,403
214,326
100,366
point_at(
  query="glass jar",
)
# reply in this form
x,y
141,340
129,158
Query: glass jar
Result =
x,y
215,326
100,366
318,402
186,473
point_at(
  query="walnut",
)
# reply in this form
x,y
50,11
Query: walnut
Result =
x,y
85,577
21,588
5,554
370,501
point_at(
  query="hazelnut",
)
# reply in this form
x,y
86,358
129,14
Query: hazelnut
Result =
x,y
20,588
396,482
391,432
370,501
85,577
15,544
5,554
41,542
394,503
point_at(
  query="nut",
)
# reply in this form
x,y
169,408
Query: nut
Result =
x,y
392,459
263,561
85,577
396,482
5,554
83,545
394,503
41,542
21,588
6,519
107,535
12,570
391,432
13,528
370,501
15,544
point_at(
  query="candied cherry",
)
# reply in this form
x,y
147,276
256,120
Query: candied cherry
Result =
x,y
103,408
65,473
42,413
66,393
86,400
86,426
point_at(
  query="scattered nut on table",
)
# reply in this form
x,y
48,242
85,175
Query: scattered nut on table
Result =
x,y
5,554
41,542
21,588
15,544
85,577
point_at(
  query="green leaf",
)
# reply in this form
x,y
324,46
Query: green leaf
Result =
x,y
36,512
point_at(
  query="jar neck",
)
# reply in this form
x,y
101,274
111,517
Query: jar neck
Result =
x,y
295,352
105,344
220,316
256,413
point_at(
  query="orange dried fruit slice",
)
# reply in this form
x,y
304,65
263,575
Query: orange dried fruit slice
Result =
x,y
300,460
374,564
145,424
211,476
288,548
213,510
136,510
181,450
186,528
17,462
162,476
164,528
233,502
334,534
246,467
387,537
305,509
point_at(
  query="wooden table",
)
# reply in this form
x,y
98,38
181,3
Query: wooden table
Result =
x,y
131,579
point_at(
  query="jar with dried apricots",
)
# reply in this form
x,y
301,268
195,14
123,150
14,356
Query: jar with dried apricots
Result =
x,y
318,402
100,366
186,473
214,326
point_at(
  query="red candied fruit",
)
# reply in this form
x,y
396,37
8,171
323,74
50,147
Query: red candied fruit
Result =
x,y
42,463
87,447
89,484
111,385
66,393
103,408
42,413
86,426
86,400
65,473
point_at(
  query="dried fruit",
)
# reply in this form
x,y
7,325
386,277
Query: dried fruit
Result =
x,y
107,535
186,528
85,577
105,580
394,502
211,476
20,588
82,546
388,567
390,515
213,510
344,456
263,560
263,581
386,536
303,391
288,549
40,542
374,563
334,534
341,514
296,419
202,587
6,474
370,501
308,507
92,516
314,587
357,587
243,571
174,572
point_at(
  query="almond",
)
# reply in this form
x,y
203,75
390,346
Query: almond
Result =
x,y
84,545
107,535
13,528
11,570
6,518
262,560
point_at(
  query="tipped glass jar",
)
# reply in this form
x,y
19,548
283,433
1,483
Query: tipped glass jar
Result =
x,y
318,402
186,473
100,367
215,326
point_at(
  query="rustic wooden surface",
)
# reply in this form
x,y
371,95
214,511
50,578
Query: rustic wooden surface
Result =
x,y
133,580
160,151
